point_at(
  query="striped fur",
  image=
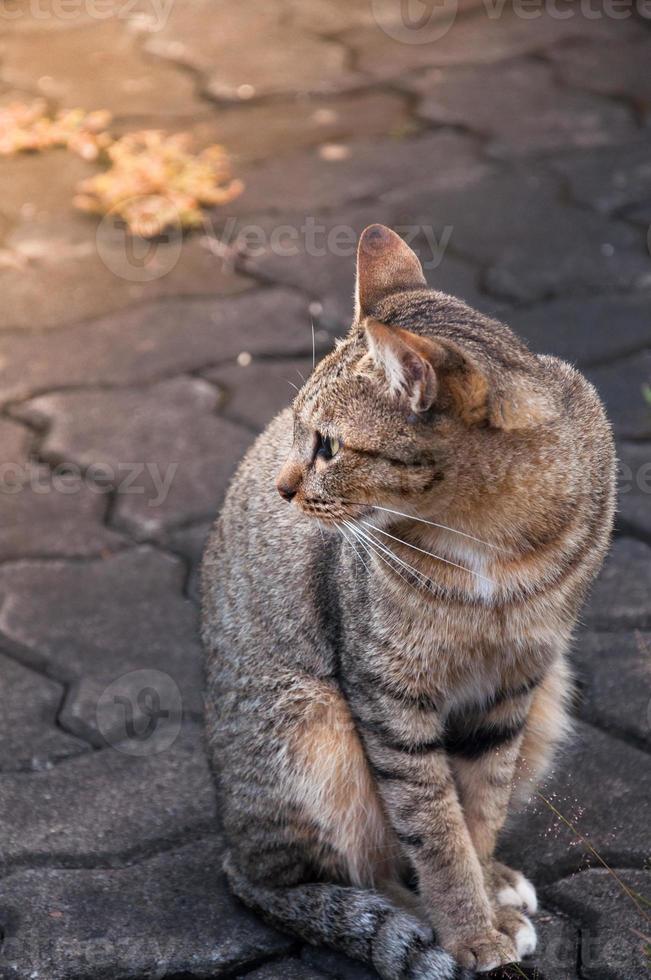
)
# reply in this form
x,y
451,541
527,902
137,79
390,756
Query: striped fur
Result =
x,y
374,711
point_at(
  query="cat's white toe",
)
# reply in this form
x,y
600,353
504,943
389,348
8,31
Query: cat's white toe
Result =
x,y
526,893
509,896
526,939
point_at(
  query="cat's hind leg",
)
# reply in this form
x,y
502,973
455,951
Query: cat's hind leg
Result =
x,y
310,847
359,922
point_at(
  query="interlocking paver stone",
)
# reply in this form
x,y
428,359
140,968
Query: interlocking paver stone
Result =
x,y
362,170
169,915
620,596
29,735
493,34
532,246
587,330
45,513
519,108
98,66
103,622
254,392
614,675
593,771
275,60
88,270
155,339
189,542
106,806
634,498
320,258
613,929
168,453
610,178
627,75
623,386
258,131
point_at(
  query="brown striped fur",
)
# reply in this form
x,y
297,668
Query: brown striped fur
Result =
x,y
377,700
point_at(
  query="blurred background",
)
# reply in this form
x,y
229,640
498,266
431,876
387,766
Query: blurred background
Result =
x,y
182,184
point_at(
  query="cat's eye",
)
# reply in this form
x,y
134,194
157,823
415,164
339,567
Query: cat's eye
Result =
x,y
327,446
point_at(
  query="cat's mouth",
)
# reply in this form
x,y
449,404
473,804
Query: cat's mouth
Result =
x,y
332,512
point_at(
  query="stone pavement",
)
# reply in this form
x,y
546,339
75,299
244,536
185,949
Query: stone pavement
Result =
x,y
512,144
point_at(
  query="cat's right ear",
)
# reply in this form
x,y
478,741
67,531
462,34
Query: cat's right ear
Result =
x,y
385,265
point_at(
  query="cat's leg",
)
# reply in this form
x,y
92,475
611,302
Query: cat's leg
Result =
x,y
405,746
498,763
307,831
359,922
484,748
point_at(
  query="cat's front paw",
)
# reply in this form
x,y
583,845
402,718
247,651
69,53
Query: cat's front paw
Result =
x,y
518,928
483,952
511,888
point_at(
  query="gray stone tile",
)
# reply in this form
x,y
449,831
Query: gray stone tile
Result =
x,y
634,489
519,108
171,914
189,542
45,513
106,806
116,630
622,386
619,70
586,330
29,735
259,131
254,393
484,38
531,246
167,452
87,269
276,59
609,178
163,338
613,928
614,676
320,259
620,597
97,66
286,969
361,170
599,784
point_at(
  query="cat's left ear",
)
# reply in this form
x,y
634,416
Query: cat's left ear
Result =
x,y
421,370
385,265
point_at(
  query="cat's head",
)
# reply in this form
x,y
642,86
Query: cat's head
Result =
x,y
427,406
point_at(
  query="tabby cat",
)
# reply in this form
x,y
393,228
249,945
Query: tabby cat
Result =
x,y
388,598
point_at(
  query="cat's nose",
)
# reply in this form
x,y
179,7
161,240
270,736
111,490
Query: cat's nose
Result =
x,y
285,491
289,480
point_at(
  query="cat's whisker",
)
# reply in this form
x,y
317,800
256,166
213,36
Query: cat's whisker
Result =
x,y
313,346
378,548
295,387
443,527
430,554
353,546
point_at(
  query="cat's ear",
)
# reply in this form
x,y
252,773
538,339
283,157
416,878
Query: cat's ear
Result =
x,y
420,370
408,363
385,265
